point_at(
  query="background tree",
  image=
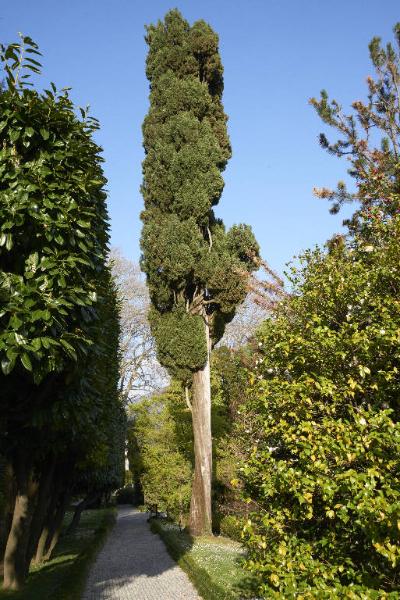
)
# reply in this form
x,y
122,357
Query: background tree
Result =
x,y
265,289
160,451
194,268
229,382
160,442
370,139
140,371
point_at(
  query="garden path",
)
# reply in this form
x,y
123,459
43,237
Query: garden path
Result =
x,y
134,565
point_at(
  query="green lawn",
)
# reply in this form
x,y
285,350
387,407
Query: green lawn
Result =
x,y
212,563
63,577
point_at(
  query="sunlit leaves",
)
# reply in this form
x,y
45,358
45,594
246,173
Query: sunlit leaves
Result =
x,y
53,221
323,406
17,66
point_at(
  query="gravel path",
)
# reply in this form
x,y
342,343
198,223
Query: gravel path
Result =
x,y
134,565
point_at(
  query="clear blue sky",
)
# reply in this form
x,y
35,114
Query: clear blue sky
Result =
x,y
276,54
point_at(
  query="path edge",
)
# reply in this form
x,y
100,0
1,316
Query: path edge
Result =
x,y
89,555
205,586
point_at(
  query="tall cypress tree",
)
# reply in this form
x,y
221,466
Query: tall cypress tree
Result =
x,y
196,271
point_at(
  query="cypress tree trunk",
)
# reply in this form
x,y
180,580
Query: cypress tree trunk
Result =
x,y
18,537
200,505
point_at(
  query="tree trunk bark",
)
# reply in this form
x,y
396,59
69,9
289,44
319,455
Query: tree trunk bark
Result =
x,y
39,515
200,505
79,508
55,530
6,517
40,549
47,525
16,547
83,504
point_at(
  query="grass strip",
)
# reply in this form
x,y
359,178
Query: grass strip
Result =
x,y
212,564
63,577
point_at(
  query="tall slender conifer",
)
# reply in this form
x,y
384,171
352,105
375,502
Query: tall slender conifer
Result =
x,y
195,269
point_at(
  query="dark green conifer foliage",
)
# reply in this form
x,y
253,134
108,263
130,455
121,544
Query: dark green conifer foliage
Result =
x,y
193,267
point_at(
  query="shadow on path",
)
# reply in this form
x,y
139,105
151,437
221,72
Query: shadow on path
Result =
x,y
134,565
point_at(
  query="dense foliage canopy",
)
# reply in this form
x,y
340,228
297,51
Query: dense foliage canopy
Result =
x,y
324,468
62,426
191,263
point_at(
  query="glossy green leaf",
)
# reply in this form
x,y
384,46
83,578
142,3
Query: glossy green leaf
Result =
x,y
26,361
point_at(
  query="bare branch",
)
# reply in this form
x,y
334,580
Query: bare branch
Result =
x,y
141,373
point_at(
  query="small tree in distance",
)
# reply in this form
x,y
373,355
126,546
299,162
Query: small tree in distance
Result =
x,y
195,269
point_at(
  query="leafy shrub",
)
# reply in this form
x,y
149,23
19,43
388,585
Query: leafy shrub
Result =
x,y
324,439
53,227
231,527
159,448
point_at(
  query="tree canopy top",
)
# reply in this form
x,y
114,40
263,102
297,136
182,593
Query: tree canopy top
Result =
x,y
193,266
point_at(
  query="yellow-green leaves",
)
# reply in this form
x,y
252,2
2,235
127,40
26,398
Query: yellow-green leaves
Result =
x,y
323,406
